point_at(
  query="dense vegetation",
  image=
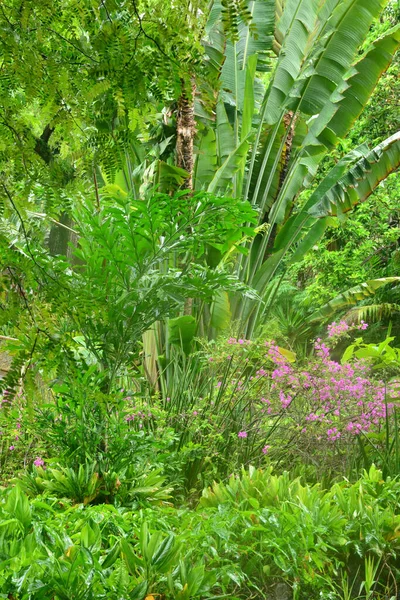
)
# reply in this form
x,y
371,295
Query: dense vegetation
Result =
x,y
200,300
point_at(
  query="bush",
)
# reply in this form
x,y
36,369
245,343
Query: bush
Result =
x,y
257,535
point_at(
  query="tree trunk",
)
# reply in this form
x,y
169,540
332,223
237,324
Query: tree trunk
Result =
x,y
185,132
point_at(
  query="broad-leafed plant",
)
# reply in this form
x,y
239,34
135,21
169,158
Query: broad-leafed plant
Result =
x,y
271,131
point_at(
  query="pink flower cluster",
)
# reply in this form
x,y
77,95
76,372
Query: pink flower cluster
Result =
x,y
327,402
238,342
339,329
340,397
140,417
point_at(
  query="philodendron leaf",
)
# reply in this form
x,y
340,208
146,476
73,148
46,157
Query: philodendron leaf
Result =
x,y
182,330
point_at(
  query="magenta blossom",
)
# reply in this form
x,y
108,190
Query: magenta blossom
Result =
x,y
38,462
242,434
339,329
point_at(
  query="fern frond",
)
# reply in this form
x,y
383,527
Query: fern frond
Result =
x,y
372,313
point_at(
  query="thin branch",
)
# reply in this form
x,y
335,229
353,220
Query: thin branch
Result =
x,y
68,109
44,216
26,234
106,9
73,45
96,189
6,18
18,137
146,35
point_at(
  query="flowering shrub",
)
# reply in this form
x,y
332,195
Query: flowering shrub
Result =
x,y
341,328
264,402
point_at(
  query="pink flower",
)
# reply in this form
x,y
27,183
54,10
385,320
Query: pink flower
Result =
x,y
11,447
38,462
337,329
265,449
18,425
195,413
242,434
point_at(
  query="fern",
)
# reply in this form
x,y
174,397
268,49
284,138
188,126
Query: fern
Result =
x,y
119,580
372,313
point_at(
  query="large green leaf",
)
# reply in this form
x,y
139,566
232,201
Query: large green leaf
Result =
x,y
347,102
351,297
221,311
338,193
260,283
343,32
223,177
296,26
321,77
260,192
207,161
226,142
293,227
182,330
361,179
248,104
317,89
258,37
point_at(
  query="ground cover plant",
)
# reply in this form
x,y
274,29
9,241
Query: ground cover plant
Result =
x,y
258,534
199,300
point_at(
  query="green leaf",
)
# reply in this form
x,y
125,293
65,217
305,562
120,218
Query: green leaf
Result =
x,y
223,177
340,113
164,552
139,592
359,181
220,311
207,161
182,330
351,297
112,555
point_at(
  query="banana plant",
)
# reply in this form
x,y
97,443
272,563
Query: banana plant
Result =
x,y
266,143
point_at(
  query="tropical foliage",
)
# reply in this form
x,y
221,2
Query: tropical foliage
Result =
x,y
199,324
